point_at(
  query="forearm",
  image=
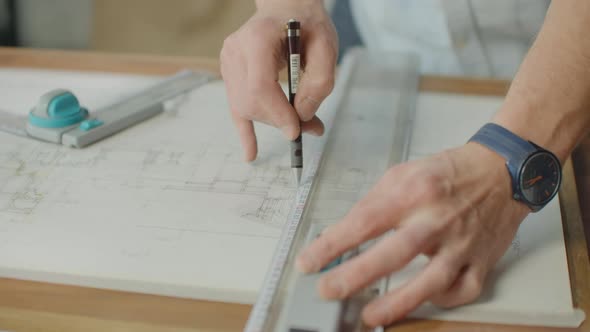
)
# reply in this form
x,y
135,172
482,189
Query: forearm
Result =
x,y
549,100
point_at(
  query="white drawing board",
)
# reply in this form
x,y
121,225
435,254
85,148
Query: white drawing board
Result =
x,y
169,207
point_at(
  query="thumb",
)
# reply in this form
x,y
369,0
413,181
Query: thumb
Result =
x,y
317,79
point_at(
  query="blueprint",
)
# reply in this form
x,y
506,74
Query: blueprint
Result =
x,y
168,206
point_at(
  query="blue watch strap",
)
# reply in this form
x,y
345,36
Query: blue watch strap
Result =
x,y
516,151
501,140
510,146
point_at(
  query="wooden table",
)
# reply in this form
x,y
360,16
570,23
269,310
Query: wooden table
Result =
x,y
34,306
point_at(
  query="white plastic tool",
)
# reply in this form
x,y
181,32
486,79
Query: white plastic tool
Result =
x,y
59,117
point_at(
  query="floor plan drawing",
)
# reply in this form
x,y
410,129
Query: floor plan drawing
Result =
x,y
170,207
152,192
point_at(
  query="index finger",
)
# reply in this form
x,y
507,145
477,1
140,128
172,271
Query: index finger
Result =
x,y
365,221
263,70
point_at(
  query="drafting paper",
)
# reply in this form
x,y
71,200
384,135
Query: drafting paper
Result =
x,y
166,207
169,207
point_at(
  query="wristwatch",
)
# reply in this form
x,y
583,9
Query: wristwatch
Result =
x,y
535,172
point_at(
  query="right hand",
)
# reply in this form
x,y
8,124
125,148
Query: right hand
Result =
x,y
253,56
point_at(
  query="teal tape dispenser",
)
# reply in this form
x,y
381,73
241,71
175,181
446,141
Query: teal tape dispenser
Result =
x,y
59,117
58,111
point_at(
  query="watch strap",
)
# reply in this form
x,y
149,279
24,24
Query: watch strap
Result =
x,y
510,146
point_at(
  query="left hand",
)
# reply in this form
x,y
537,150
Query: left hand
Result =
x,y
455,207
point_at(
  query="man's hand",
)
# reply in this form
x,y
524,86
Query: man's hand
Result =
x,y
455,207
252,57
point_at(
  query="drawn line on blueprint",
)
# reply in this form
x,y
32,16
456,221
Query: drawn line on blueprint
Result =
x,y
205,231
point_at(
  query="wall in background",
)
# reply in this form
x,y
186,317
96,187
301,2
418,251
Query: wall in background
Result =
x,y
7,31
179,27
4,22
4,15
55,23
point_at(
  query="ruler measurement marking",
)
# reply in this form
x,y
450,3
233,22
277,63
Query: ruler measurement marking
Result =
x,y
276,289
262,308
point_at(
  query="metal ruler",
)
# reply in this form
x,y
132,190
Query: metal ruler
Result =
x,y
370,129
59,117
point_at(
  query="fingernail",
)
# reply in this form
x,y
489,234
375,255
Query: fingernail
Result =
x,y
332,288
374,315
307,108
315,132
306,264
290,132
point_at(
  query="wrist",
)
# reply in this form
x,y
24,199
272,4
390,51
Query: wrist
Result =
x,y
535,173
549,127
261,4
305,11
485,170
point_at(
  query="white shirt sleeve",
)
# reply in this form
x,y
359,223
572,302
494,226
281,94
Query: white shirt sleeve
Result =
x,y
479,38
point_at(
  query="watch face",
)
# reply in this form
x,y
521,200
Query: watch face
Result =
x,y
540,178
